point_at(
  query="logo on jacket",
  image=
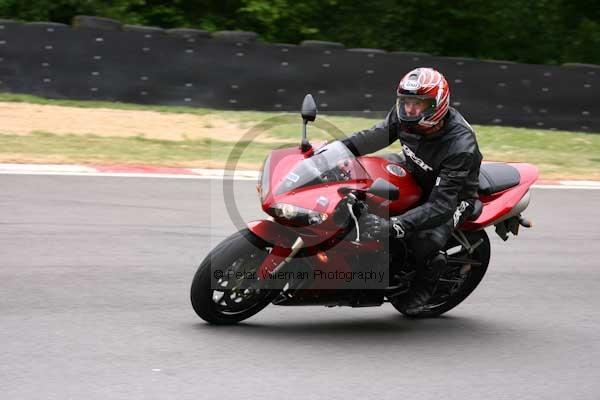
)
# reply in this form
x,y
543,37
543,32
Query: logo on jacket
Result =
x,y
409,153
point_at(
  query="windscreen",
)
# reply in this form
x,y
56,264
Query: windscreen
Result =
x,y
333,162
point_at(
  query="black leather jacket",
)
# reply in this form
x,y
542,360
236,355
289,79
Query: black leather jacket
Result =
x,y
444,164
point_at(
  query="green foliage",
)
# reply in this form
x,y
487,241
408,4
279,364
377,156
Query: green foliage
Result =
x,y
534,31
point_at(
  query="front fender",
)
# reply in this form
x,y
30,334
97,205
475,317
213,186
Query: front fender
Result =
x,y
272,232
282,238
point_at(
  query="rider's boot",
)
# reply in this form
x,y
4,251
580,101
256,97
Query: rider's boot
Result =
x,y
425,284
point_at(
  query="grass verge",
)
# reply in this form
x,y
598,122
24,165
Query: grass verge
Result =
x,y
558,154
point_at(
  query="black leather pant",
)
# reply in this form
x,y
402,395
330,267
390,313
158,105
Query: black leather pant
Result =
x,y
427,243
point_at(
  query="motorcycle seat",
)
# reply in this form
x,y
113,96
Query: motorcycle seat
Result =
x,y
496,177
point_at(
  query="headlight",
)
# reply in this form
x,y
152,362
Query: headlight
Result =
x,y
296,215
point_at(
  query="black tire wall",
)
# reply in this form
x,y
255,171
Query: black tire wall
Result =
x,y
99,59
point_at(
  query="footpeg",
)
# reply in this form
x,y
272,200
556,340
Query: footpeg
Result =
x,y
439,262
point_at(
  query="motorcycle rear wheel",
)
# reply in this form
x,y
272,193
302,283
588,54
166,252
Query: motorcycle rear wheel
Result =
x,y
463,273
227,300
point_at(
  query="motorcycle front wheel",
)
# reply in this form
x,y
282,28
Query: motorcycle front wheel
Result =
x,y
221,292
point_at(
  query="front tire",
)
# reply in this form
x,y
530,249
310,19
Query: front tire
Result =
x,y
463,273
230,301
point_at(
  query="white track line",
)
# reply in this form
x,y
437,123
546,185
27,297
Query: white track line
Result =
x,y
570,187
43,168
128,175
199,173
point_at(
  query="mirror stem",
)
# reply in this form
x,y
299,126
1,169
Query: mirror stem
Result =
x,y
304,145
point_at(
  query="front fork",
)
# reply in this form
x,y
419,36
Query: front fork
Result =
x,y
267,266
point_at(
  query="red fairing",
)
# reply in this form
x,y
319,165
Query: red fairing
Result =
x,y
283,161
324,197
498,204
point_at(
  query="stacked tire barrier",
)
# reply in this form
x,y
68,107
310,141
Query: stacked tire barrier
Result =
x,y
101,59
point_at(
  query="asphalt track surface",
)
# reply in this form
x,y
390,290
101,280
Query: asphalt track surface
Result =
x,y
94,304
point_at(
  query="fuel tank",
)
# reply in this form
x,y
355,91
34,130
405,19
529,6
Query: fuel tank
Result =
x,y
410,192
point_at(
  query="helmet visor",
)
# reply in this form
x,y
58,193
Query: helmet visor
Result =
x,y
414,107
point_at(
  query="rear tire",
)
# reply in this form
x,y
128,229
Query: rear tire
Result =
x,y
448,295
242,249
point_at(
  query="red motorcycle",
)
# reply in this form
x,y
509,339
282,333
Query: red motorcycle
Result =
x,y
310,251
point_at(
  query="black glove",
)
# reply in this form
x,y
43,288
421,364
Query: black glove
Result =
x,y
376,227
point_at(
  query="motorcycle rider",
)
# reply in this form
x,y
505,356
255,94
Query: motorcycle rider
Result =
x,y
442,155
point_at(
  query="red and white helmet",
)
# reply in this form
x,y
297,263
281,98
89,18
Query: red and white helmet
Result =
x,y
428,87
